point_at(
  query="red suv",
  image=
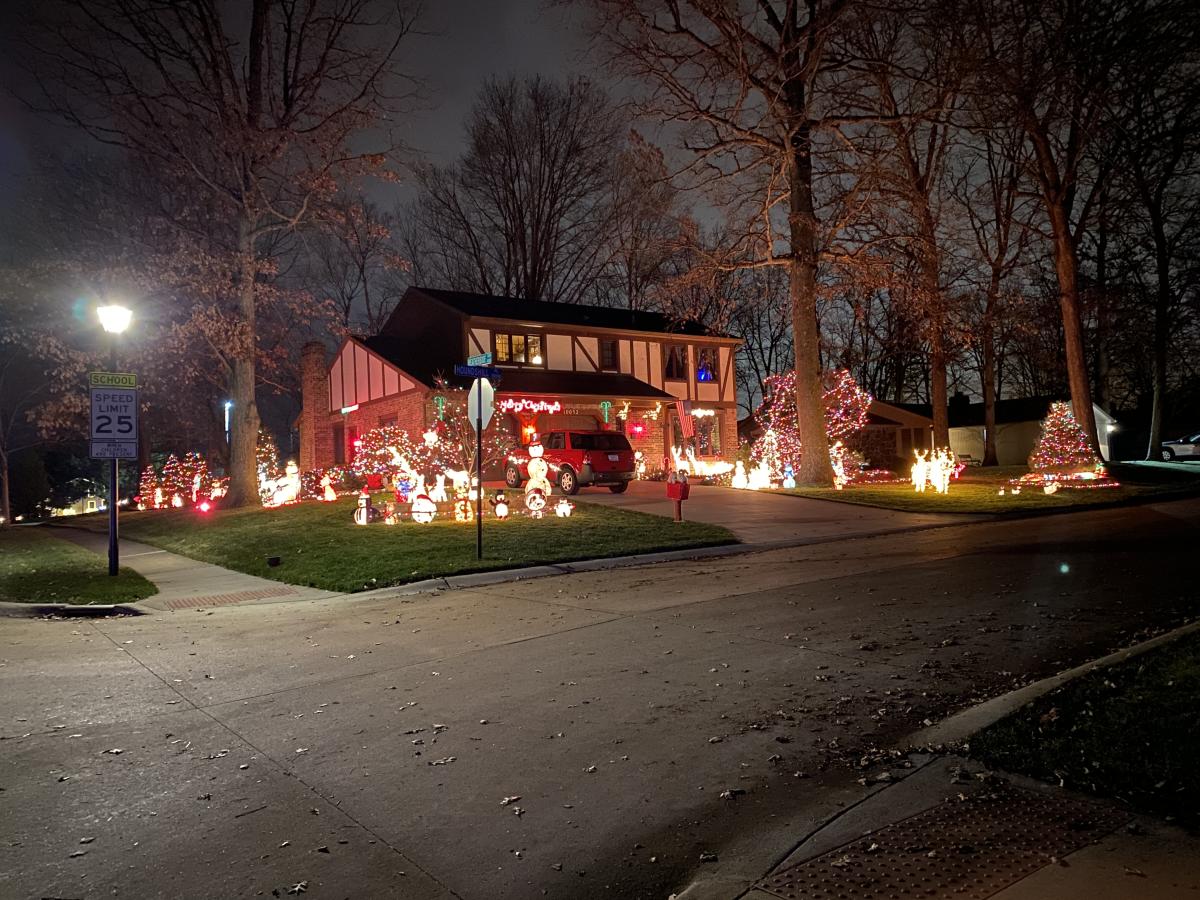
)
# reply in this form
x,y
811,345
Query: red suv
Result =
x,y
578,459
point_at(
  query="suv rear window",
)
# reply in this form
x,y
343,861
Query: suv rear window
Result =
x,y
603,440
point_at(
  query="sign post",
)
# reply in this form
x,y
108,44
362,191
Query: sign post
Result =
x,y
113,436
480,406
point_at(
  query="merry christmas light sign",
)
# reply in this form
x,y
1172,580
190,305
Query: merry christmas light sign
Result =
x,y
528,405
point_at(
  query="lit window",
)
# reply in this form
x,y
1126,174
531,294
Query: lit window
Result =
x,y
706,364
518,350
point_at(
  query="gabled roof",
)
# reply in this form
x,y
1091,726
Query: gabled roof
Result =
x,y
428,363
539,311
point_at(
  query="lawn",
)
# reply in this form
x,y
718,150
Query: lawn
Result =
x,y
1128,731
319,545
978,491
37,567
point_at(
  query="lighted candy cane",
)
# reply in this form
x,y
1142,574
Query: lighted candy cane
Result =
x,y
605,406
440,403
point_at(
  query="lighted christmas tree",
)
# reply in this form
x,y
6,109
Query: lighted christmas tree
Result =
x,y
172,482
381,451
456,437
846,407
195,478
146,487
1063,446
267,455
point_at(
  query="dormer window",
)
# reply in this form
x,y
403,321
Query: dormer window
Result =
x,y
518,349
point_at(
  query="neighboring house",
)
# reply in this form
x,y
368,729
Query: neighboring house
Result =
x,y
1018,427
89,504
564,366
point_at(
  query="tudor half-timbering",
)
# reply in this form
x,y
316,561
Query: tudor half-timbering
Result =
x,y
564,366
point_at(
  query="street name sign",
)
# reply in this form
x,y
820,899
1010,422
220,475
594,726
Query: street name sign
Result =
x,y
114,420
477,371
482,388
483,359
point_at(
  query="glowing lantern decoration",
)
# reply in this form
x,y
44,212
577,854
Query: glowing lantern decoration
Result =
x,y
500,505
535,502
423,509
563,508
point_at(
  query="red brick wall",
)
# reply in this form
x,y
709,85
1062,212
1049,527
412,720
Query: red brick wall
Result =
x,y
314,398
411,411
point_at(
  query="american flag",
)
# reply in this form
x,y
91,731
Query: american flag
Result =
x,y
687,426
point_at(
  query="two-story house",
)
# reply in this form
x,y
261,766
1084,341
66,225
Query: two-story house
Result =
x,y
662,384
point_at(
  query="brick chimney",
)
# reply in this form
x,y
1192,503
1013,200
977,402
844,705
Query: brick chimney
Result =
x,y
314,400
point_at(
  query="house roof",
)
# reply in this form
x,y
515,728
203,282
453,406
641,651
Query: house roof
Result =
x,y
428,363
540,311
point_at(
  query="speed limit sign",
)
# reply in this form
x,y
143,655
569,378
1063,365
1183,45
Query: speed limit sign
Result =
x,y
114,415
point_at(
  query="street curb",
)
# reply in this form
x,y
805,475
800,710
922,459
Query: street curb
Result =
x,y
1018,514
10,610
960,727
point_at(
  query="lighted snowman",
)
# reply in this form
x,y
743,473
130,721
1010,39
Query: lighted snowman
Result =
x,y
287,489
563,508
535,502
740,480
423,509
537,470
789,477
500,505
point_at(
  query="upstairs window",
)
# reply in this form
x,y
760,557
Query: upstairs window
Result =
x,y
518,349
706,364
676,363
608,354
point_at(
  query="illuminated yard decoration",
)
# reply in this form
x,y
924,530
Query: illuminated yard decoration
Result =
x,y
846,409
500,505
148,488
423,509
686,461
1063,446
740,480
328,494
287,488
933,469
535,502
528,405
563,508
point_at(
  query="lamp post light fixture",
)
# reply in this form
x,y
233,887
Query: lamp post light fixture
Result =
x,y
114,319
228,407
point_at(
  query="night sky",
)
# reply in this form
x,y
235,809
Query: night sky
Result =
x,y
465,42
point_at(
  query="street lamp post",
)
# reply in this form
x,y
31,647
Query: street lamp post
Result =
x,y
228,407
114,319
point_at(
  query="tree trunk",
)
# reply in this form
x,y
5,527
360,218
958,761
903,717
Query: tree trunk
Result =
x,y
1162,308
1066,266
5,505
938,394
988,375
815,468
244,423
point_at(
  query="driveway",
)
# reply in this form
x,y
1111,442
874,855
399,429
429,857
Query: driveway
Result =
x,y
604,734
770,519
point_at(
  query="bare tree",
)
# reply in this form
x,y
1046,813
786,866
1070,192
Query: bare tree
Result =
x,y
748,86
250,109
1046,67
991,197
355,262
531,210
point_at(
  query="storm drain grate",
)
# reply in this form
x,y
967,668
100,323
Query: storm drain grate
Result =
x,y
969,848
226,599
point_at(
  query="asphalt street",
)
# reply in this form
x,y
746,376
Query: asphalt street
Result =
x,y
624,733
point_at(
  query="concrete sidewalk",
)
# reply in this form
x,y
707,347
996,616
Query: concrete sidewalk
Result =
x,y
184,583
764,518
950,829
